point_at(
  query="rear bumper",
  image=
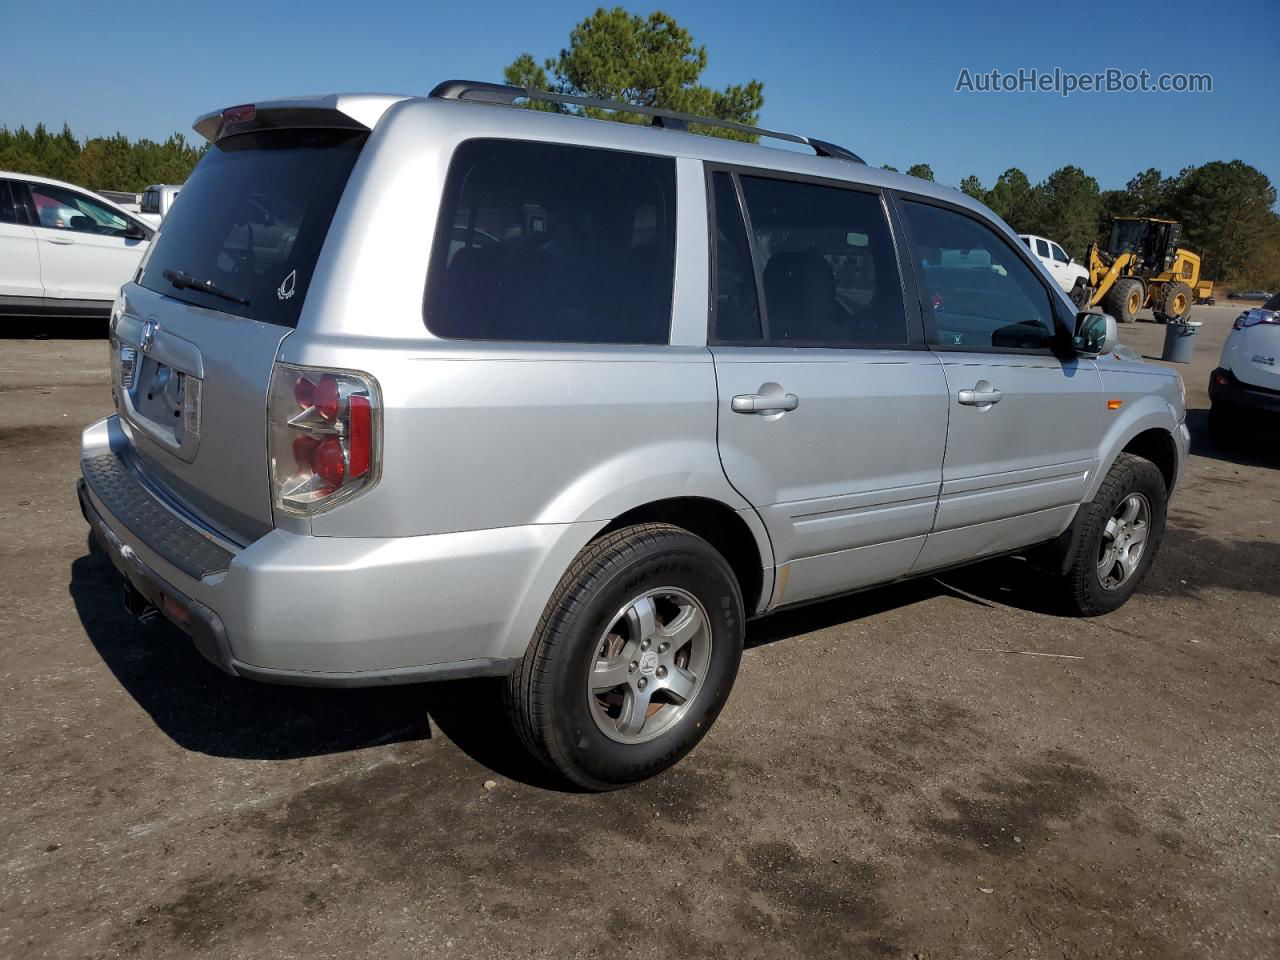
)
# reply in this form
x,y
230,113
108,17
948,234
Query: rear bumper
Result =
x,y
322,611
1235,393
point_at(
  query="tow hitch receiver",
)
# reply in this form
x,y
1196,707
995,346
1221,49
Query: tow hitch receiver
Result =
x,y
138,606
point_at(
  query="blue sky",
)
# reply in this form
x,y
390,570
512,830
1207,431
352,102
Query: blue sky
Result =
x,y
877,77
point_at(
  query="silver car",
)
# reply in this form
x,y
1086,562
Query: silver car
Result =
x,y
418,388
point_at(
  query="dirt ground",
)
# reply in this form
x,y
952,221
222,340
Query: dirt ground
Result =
x,y
887,780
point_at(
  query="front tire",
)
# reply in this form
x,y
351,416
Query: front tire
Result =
x,y
634,657
1123,527
1124,299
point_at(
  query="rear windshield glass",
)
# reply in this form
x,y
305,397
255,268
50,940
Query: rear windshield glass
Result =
x,y
546,242
252,221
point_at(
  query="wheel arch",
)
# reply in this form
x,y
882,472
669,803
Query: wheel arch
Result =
x,y
744,545
1157,445
1148,435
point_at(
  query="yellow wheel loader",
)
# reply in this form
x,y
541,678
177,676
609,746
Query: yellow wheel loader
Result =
x,y
1141,266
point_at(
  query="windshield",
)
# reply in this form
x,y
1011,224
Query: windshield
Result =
x,y
1273,303
255,215
1126,236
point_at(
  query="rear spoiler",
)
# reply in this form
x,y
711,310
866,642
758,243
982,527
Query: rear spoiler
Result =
x,y
342,111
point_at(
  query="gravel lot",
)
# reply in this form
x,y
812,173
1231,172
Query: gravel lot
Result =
x,y
881,783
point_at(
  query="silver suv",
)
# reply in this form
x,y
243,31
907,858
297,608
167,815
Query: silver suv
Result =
x,y
417,388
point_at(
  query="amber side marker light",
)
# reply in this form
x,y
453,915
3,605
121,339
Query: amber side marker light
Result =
x,y
1114,404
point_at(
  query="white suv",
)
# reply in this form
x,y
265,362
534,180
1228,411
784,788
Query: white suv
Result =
x,y
64,252
1245,388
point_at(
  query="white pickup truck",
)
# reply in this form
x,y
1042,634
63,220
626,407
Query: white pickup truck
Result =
x,y
1064,269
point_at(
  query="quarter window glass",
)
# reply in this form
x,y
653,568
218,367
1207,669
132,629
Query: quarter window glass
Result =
x,y
544,242
8,209
1042,248
737,308
62,209
827,264
1057,253
981,293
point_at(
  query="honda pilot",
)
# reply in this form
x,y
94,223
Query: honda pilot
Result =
x,y
420,388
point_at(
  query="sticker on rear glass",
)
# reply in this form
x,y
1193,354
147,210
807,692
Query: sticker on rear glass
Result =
x,y
285,290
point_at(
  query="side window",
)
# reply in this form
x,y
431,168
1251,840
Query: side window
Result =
x,y
982,294
63,209
545,242
150,202
827,265
737,306
1057,253
1042,248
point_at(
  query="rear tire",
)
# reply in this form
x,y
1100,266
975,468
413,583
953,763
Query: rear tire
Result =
x,y
654,607
1178,298
1124,299
1133,488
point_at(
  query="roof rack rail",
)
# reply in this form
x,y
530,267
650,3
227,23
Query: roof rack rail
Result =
x,y
506,95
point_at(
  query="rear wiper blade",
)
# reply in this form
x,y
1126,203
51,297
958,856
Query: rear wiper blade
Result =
x,y
184,281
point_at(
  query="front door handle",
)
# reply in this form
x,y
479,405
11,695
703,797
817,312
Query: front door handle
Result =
x,y
762,403
983,394
60,241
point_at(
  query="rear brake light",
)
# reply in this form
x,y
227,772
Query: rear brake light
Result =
x,y
241,114
324,435
1252,318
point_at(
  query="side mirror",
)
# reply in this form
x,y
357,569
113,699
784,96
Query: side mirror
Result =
x,y
1096,334
135,231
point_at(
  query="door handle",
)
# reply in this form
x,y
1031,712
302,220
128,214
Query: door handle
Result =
x,y
60,241
760,403
983,394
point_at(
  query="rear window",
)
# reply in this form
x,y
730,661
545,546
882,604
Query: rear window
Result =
x,y
545,242
255,216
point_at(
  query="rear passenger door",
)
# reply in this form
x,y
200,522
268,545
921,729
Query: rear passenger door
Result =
x,y
20,287
1024,419
832,413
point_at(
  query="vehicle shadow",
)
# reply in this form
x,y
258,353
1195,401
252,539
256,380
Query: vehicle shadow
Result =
x,y
1250,449
829,613
202,709
49,328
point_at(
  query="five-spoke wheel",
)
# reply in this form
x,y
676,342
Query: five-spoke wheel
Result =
x,y
649,665
1123,539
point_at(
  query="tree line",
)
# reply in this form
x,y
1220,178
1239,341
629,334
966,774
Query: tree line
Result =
x,y
1225,208
99,163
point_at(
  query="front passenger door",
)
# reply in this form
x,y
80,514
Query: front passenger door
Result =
x,y
84,253
1024,421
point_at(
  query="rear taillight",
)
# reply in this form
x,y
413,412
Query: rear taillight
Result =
x,y
323,427
1252,318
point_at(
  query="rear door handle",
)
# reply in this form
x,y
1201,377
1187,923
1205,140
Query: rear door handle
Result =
x,y
759,403
60,241
983,394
